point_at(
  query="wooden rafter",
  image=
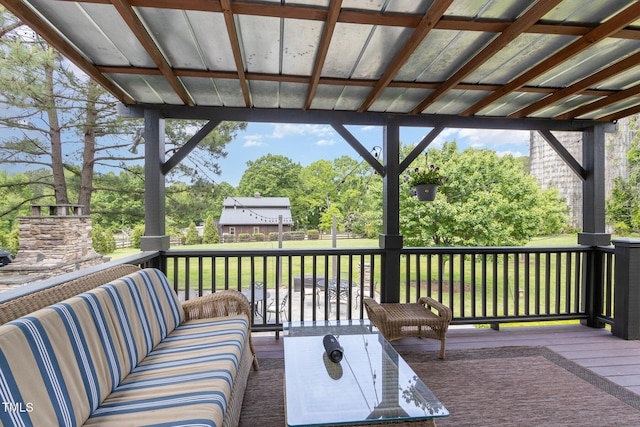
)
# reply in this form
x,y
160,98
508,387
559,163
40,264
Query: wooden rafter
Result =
x,y
580,86
52,37
601,103
609,27
503,39
430,19
323,48
137,27
235,48
335,81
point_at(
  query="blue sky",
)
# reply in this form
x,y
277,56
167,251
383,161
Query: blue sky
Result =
x,y
306,144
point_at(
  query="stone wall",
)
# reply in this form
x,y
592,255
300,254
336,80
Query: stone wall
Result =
x,y
551,171
54,240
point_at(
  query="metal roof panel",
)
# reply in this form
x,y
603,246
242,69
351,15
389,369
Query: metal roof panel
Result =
x,y
381,55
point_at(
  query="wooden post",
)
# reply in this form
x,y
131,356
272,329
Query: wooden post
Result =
x,y
627,289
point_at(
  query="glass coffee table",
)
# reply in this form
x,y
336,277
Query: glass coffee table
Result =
x,y
372,384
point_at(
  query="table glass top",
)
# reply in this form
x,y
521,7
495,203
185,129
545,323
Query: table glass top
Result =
x,y
372,383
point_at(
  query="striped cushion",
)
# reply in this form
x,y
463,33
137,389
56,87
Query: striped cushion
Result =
x,y
55,360
187,378
77,352
145,309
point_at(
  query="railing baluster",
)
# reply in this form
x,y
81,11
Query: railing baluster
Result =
x,y
481,285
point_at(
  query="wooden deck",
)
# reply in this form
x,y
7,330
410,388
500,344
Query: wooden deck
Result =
x,y
596,349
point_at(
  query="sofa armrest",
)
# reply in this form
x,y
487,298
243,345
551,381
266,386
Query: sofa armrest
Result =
x,y
217,304
443,310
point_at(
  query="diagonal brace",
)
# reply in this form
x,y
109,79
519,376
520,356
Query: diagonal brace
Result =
x,y
189,146
353,142
564,154
422,145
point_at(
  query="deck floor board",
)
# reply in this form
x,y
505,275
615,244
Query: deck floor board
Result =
x,y
596,349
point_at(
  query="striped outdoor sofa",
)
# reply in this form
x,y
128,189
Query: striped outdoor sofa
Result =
x,y
128,353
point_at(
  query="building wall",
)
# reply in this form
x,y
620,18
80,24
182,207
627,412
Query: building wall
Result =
x,y
551,171
265,229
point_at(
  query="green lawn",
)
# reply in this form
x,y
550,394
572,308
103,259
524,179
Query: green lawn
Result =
x,y
560,240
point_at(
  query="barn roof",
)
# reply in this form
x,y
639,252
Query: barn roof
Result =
x,y
255,211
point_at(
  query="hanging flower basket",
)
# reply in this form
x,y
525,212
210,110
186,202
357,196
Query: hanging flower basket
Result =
x,y
425,181
426,192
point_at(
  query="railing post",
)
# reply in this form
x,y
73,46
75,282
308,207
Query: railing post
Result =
x,y
626,298
593,276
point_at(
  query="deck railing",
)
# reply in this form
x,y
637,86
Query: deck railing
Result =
x,y
482,285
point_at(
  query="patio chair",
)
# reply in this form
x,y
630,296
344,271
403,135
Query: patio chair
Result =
x,y
400,320
281,308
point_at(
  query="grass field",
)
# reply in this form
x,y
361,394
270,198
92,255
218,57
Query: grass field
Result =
x,y
560,240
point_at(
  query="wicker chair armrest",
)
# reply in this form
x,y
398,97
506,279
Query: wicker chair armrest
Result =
x,y
217,304
375,311
443,310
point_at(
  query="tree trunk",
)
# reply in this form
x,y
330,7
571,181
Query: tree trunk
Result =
x,y
57,165
89,151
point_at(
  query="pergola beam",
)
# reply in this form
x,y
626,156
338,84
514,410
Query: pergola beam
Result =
x,y
278,115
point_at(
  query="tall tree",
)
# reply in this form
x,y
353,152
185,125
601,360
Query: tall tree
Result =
x,y
57,119
273,176
487,201
623,206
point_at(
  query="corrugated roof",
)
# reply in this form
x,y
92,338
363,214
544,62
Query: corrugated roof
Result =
x,y
555,59
252,202
255,216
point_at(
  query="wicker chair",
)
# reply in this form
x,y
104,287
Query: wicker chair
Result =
x,y
397,320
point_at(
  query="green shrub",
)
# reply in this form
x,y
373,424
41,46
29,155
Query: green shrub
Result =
x,y
286,235
103,241
258,237
192,237
313,235
138,232
273,236
297,235
244,237
210,234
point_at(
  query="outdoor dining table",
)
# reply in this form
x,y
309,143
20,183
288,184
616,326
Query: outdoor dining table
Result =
x,y
257,300
337,291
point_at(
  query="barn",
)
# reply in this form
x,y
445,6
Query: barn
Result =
x,y
254,215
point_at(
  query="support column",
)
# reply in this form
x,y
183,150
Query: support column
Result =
x,y
593,187
390,239
626,296
154,238
593,220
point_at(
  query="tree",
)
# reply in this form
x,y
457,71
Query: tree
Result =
x,y
326,219
487,201
59,120
273,176
118,200
623,206
210,234
192,237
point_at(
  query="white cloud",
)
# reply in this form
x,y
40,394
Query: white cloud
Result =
x,y
253,141
283,130
494,137
324,142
